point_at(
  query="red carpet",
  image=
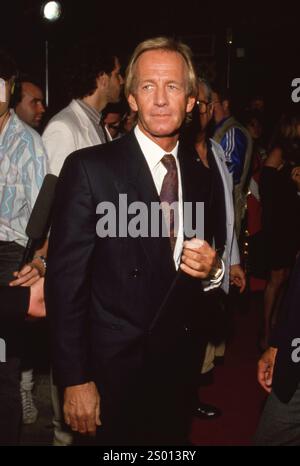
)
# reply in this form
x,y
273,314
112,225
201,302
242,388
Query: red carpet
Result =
x,y
235,389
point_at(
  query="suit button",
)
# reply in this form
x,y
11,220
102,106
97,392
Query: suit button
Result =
x,y
135,273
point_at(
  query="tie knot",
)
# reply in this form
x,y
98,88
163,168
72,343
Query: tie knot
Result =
x,y
169,161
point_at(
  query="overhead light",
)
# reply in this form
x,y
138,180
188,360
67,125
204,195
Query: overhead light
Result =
x,y
51,11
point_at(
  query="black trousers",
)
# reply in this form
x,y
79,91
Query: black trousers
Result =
x,y
11,254
10,402
152,405
13,306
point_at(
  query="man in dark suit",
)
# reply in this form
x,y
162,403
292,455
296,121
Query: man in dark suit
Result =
x,y
125,308
279,375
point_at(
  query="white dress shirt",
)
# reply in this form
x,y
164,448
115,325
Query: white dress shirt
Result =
x,y
153,155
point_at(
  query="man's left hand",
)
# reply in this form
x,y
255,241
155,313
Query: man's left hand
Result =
x,y
198,258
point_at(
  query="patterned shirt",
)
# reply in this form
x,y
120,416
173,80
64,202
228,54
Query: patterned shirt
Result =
x,y
23,165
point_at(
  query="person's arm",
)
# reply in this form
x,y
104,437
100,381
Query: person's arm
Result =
x,y
32,272
36,306
17,303
67,292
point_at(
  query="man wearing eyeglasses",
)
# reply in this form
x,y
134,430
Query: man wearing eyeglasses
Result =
x,y
111,119
237,145
212,160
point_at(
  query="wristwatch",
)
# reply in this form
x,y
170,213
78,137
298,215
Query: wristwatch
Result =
x,y
217,270
44,262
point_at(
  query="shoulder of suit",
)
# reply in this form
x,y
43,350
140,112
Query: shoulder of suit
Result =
x,y
67,116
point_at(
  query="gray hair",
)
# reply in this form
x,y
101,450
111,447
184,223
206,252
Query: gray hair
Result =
x,y
207,88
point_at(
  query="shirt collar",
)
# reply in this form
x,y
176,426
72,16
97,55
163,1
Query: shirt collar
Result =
x,y
91,112
153,152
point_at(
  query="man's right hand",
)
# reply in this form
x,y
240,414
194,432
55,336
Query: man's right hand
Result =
x,y
82,408
265,369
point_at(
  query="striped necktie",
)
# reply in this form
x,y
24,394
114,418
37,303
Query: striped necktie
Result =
x,y
169,194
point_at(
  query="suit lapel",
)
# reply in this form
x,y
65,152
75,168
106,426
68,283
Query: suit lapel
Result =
x,y
138,183
174,303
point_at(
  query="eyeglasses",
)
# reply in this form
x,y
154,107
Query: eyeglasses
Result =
x,y
202,105
116,126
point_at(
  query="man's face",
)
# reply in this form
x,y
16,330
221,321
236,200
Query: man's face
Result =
x,y
219,111
112,122
31,108
114,84
160,95
205,108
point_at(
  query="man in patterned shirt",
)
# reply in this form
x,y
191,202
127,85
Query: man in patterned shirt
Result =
x,y
23,165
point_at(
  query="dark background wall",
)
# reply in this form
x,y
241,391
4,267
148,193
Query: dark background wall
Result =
x,y
268,35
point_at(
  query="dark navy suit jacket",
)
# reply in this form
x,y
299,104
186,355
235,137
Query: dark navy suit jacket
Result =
x,y
287,369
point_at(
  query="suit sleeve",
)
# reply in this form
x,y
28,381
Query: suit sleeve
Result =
x,y
67,286
59,143
234,248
